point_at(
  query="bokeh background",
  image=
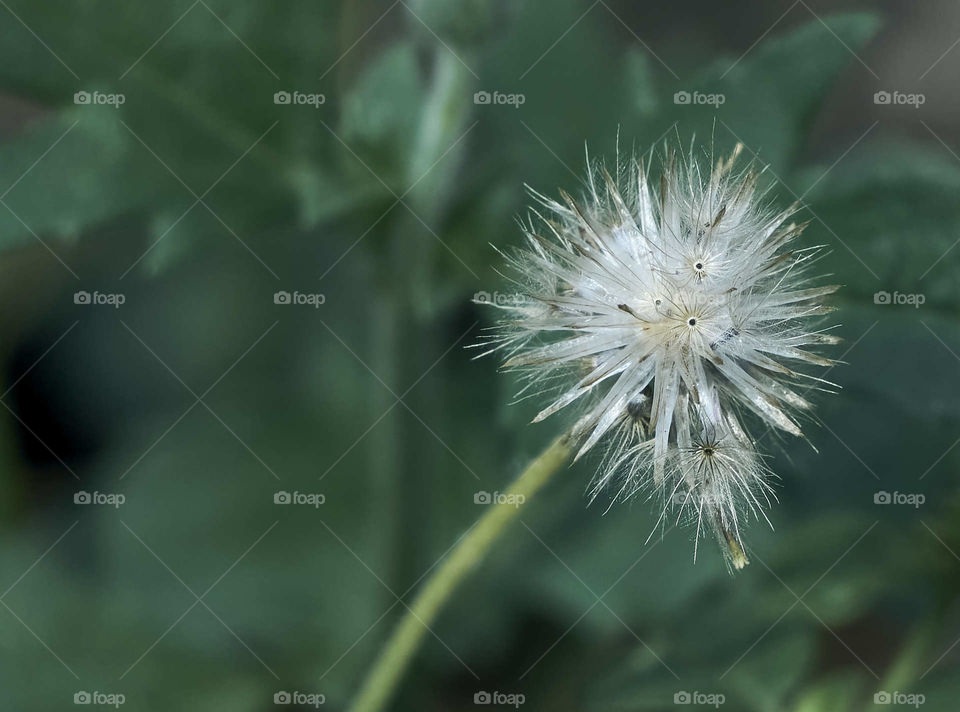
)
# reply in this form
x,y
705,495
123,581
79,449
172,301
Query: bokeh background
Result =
x,y
187,189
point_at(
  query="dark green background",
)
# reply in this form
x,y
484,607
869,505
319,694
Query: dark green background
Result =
x,y
199,198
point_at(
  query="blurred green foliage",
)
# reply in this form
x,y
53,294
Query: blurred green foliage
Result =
x,y
199,197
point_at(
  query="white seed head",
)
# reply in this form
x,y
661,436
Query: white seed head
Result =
x,y
665,315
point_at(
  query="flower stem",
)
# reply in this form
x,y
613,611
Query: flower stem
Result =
x,y
466,555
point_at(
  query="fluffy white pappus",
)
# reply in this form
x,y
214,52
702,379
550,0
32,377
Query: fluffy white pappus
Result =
x,y
664,313
716,474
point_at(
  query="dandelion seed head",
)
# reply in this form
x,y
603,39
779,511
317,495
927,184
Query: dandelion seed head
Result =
x,y
669,313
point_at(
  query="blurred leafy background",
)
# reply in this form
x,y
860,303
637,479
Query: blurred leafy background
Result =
x,y
198,399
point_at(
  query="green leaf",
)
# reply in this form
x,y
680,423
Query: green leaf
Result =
x,y
66,173
839,691
381,112
783,80
894,207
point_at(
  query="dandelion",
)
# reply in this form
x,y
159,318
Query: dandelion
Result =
x,y
668,316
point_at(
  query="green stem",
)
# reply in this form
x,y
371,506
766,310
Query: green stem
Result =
x,y
396,656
